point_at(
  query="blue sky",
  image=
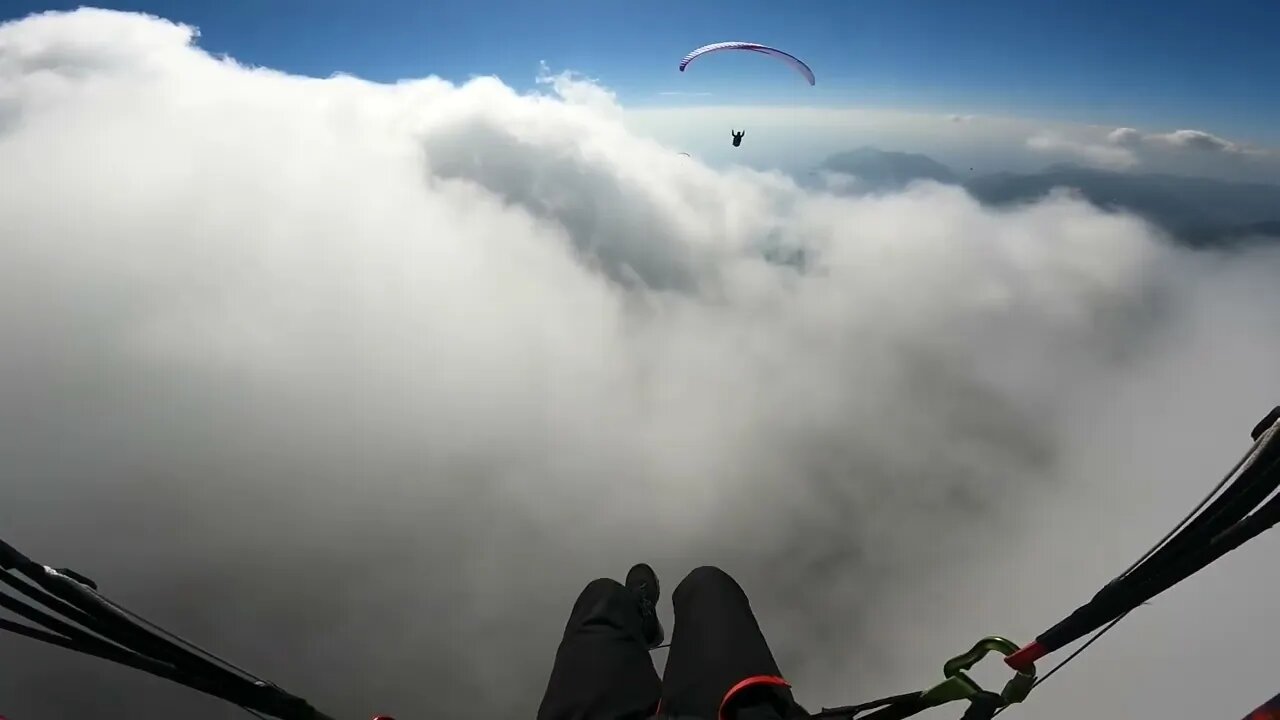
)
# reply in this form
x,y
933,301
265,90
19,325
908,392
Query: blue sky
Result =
x,y
1174,64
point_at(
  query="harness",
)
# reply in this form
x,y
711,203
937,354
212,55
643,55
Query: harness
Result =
x,y
1243,505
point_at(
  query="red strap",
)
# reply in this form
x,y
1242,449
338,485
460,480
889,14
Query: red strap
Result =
x,y
1025,659
750,682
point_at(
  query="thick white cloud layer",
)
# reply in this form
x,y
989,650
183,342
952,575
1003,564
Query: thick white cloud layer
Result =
x,y
360,383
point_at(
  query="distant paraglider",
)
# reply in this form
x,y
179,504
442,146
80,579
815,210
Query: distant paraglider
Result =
x,y
788,58
796,63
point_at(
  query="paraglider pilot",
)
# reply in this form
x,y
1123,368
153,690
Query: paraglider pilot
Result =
x,y
719,666
737,137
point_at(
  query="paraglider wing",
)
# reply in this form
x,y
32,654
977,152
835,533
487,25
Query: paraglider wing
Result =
x,y
788,58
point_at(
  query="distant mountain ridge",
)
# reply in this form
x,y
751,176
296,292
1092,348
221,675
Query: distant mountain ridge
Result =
x,y
1197,211
883,169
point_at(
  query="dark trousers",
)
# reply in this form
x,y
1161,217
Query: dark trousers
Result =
x,y
603,670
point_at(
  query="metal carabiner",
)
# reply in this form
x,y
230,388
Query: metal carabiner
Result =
x,y
959,686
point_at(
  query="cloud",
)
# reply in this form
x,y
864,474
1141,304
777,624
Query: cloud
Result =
x,y
1097,154
1188,152
359,383
1195,140
1125,136
1192,140
577,89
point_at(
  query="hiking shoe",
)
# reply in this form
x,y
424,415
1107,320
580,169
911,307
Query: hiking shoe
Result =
x,y
642,581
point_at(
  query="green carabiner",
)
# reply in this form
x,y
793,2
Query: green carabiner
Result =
x,y
959,686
